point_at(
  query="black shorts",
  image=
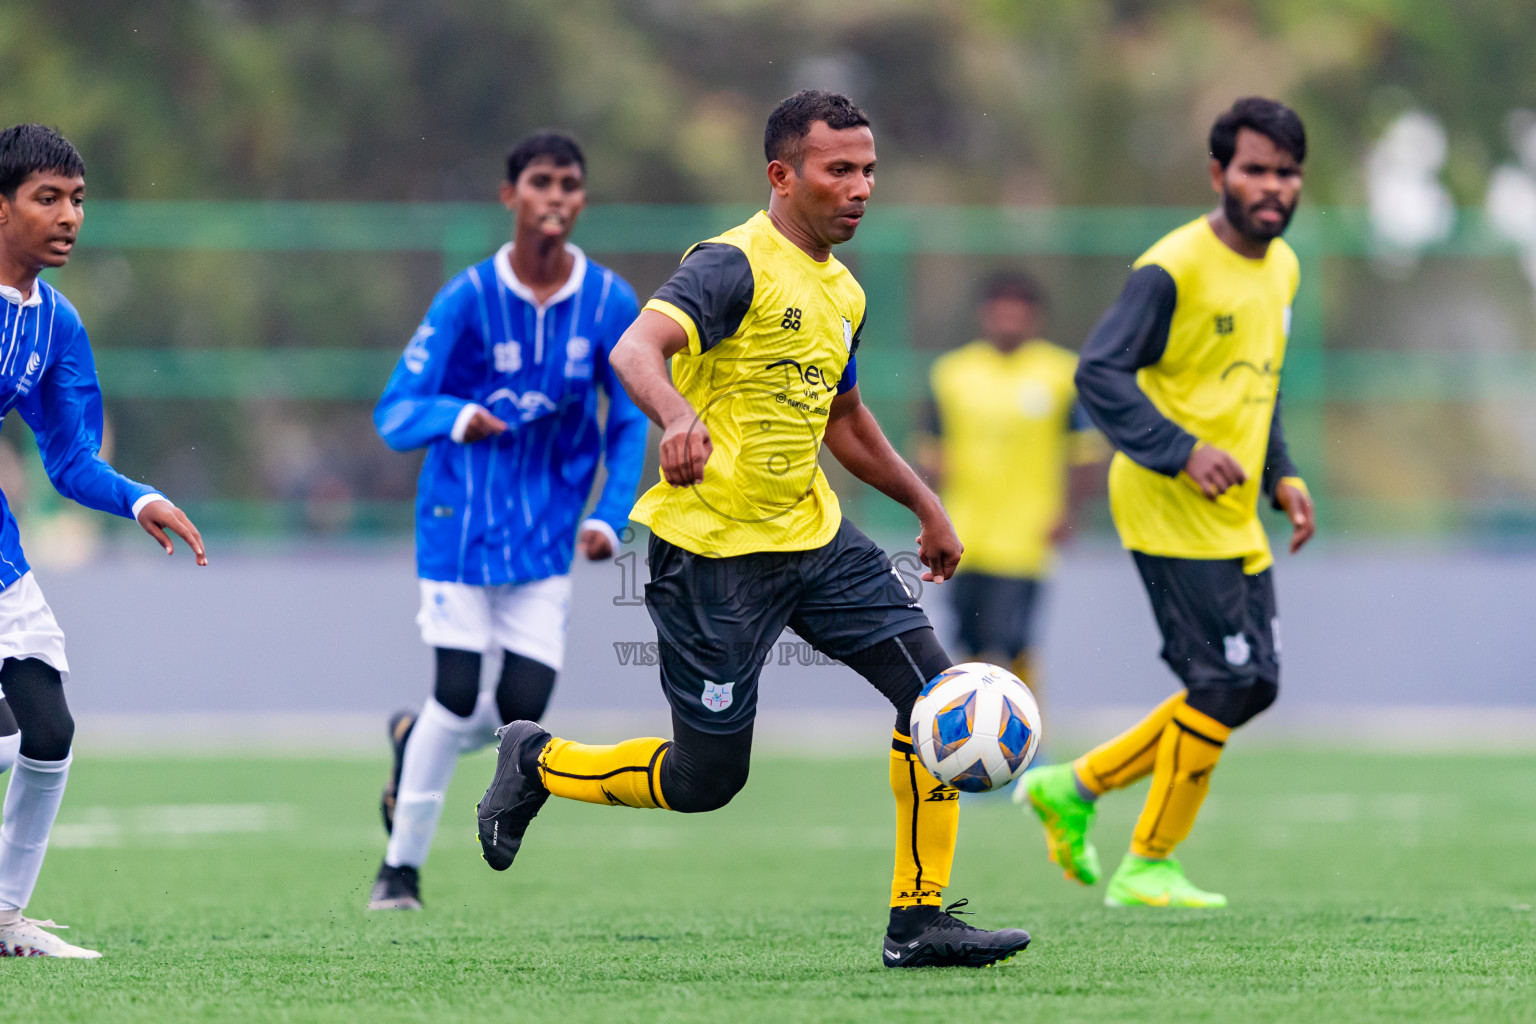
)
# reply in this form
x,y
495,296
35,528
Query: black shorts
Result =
x,y
1219,624
995,614
717,619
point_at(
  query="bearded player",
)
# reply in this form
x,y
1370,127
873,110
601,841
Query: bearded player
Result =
x,y
1182,375
762,325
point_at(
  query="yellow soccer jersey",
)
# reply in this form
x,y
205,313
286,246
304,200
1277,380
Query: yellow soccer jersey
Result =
x,y
1191,353
1006,423
771,341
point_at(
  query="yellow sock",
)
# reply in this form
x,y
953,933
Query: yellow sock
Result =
x,y
927,821
1129,756
1186,755
1024,667
627,773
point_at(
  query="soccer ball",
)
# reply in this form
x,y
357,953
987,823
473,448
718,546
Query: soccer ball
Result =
x,y
976,727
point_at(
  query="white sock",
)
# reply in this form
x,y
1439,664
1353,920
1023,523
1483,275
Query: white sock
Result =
x,y
31,803
486,719
9,746
431,754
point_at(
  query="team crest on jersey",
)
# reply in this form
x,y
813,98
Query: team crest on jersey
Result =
x,y
717,696
578,358
1238,651
24,385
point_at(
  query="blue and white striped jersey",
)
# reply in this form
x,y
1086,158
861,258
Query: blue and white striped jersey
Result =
x,y
506,509
47,374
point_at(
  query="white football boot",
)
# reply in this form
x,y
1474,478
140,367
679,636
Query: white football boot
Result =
x,y
27,938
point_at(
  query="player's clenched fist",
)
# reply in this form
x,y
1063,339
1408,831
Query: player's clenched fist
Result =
x,y
938,547
685,447
1214,471
483,425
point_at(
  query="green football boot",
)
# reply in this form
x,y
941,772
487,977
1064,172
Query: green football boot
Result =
x,y
1052,793
1139,882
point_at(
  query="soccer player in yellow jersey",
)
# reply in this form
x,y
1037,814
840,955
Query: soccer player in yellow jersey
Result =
x,y
1006,427
762,325
1182,375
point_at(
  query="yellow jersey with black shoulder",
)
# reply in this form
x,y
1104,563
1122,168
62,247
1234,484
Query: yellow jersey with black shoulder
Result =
x,y
1191,353
771,340
1008,425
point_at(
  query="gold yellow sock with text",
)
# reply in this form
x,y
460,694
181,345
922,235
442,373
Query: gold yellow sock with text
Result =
x,y
1129,756
1186,755
627,773
927,821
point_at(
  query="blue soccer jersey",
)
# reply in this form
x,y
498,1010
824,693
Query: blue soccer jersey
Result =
x,y
47,374
506,509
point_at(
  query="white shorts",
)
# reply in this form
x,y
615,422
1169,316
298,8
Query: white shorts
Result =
x,y
28,628
524,618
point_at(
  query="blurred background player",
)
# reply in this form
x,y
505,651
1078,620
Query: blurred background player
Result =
x,y
501,383
47,374
1182,375
1005,429
762,325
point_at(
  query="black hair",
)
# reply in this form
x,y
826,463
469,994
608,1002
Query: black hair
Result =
x,y
791,122
26,149
1270,118
558,147
1012,284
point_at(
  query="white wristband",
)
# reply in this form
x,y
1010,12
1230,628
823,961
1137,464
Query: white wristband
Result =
x,y
602,528
138,506
461,424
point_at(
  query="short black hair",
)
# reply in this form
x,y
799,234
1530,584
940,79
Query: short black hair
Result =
x,y
558,147
1012,284
1270,118
26,149
791,122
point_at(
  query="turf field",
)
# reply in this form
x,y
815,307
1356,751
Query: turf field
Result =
x,y
1365,887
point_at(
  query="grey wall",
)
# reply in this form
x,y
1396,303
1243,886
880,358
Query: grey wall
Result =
x,y
329,631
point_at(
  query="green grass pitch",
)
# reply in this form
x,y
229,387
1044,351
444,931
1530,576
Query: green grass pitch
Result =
x,y
1364,887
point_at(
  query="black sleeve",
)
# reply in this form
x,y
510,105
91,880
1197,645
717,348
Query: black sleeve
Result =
x,y
714,286
1277,461
1132,335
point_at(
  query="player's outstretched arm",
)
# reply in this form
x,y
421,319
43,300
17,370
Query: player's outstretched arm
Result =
x,y
65,415
855,439
640,361
161,518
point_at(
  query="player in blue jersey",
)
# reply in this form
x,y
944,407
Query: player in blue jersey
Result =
x,y
48,376
500,383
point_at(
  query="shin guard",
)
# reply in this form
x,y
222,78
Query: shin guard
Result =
x,y
927,822
1187,753
1129,756
627,773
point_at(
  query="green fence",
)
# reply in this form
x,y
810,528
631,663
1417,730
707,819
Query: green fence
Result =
x,y
1322,372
